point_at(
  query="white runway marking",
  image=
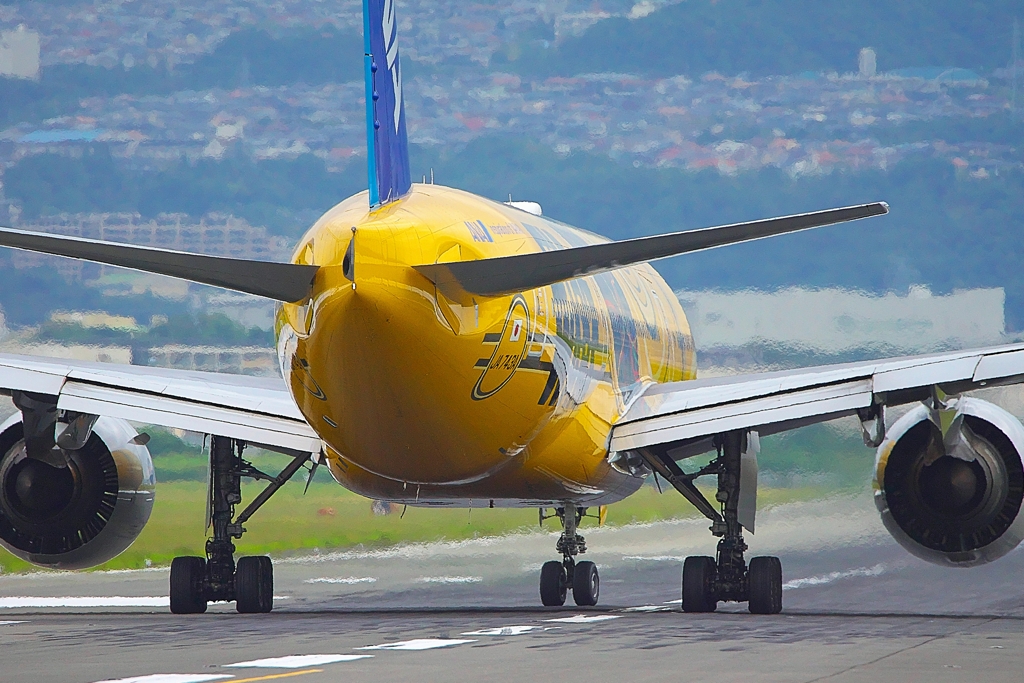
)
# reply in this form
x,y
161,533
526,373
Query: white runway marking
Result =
x,y
649,608
418,644
450,579
583,619
344,579
507,630
832,577
654,558
10,623
297,661
169,678
112,601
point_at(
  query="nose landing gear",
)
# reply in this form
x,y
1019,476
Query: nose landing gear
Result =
x,y
557,578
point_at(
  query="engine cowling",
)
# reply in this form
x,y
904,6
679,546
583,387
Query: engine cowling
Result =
x,y
79,515
953,501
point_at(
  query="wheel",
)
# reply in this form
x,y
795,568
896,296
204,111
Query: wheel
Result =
x,y
188,574
699,584
254,585
586,584
552,584
764,578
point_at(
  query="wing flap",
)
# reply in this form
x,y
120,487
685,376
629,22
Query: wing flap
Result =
x,y
522,272
834,400
289,282
999,366
772,402
35,380
256,409
178,414
906,376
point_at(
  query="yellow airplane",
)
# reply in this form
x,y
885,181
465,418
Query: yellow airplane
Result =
x,y
439,348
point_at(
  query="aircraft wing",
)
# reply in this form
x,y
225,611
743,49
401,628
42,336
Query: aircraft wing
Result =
x,y
259,410
684,417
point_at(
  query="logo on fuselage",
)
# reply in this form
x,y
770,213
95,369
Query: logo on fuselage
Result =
x,y
478,231
509,351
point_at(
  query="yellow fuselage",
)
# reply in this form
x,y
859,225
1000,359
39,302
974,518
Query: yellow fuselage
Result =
x,y
479,401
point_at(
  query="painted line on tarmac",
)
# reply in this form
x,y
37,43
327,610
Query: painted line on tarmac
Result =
x,y
99,601
832,577
418,644
20,602
508,630
297,661
11,623
584,619
649,608
170,678
270,677
450,579
343,579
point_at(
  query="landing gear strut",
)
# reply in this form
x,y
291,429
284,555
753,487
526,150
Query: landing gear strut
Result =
x,y
727,577
195,581
556,578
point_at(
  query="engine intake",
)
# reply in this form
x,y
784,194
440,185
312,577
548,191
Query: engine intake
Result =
x,y
80,507
953,500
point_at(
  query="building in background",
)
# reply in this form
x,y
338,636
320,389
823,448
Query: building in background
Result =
x,y
19,53
866,63
246,310
20,345
215,234
238,360
789,327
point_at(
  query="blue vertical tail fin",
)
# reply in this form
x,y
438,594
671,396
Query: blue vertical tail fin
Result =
x,y
386,140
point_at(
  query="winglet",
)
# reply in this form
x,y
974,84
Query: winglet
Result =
x,y
522,272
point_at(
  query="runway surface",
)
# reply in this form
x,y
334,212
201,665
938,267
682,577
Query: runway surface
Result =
x,y
857,607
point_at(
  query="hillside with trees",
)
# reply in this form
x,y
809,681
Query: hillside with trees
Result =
x,y
762,37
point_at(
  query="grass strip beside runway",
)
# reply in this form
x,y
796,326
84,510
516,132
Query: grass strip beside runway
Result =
x,y
330,517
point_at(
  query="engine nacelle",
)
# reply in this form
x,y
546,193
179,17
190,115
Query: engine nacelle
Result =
x,y
953,501
79,515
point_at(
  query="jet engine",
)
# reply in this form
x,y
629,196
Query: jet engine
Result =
x,y
74,508
949,482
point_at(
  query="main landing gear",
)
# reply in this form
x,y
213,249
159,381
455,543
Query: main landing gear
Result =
x,y
195,581
556,578
709,580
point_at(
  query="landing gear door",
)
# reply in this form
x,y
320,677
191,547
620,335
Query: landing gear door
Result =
x,y
747,507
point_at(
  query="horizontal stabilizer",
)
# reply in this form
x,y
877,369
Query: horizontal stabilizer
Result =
x,y
508,274
282,281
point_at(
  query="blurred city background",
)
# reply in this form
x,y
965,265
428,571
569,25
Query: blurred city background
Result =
x,y
228,127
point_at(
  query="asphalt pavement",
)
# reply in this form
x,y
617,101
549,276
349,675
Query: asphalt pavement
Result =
x,y
856,607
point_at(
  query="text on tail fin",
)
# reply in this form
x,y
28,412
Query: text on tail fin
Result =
x,y
387,141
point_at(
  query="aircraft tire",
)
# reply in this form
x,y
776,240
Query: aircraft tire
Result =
x,y
254,585
552,584
764,578
586,584
699,574
187,577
